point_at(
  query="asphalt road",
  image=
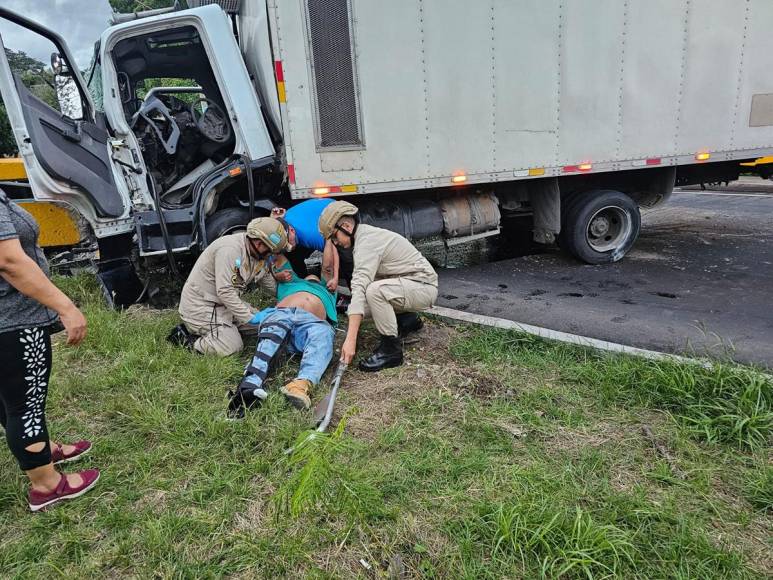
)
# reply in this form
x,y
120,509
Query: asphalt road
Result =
x,y
698,281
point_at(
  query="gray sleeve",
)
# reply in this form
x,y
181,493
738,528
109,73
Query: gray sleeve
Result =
x,y
7,229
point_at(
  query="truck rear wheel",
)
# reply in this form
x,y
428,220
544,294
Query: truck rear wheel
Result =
x,y
599,227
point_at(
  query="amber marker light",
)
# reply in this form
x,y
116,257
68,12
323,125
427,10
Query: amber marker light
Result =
x,y
460,178
703,156
321,190
585,166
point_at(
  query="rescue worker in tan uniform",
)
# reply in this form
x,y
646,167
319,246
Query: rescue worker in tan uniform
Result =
x,y
212,310
391,282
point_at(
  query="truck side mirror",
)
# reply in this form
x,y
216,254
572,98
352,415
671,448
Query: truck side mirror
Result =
x,y
66,90
59,65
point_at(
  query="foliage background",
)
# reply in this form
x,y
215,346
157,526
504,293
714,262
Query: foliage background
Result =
x,y
40,77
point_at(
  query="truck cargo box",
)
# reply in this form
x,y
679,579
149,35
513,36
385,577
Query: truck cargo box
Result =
x,y
413,94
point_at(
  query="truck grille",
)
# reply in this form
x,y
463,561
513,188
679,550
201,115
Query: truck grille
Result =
x,y
335,78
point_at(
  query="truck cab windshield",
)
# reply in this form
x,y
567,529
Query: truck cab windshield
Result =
x,y
174,106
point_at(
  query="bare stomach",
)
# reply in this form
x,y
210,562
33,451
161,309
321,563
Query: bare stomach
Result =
x,y
306,300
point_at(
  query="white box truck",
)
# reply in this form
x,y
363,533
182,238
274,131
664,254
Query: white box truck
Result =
x,y
436,117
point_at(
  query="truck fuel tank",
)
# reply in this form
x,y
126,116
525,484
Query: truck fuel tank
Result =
x,y
463,215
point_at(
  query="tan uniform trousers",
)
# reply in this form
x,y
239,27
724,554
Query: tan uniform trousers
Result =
x,y
386,297
219,334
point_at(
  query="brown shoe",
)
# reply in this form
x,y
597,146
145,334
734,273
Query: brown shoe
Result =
x,y
297,393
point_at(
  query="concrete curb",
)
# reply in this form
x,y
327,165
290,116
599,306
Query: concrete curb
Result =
x,y
559,336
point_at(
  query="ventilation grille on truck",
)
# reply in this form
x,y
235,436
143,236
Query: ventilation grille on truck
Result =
x,y
335,79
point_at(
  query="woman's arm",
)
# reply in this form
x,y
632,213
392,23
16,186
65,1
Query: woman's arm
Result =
x,y
23,273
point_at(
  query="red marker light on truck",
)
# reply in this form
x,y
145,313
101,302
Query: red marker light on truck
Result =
x,y
584,166
280,81
328,189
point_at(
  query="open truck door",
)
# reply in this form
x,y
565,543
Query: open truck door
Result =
x,y
66,152
66,149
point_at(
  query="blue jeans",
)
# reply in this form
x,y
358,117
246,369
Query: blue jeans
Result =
x,y
301,332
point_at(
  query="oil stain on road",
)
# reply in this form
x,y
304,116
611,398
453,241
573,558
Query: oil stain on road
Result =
x,y
697,282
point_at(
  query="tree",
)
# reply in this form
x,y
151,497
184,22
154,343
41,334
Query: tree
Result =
x,y
127,6
7,142
40,81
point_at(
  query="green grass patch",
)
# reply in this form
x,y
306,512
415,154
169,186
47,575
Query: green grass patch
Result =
x,y
759,487
718,403
492,456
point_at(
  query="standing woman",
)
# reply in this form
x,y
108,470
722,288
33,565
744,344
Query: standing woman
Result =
x,y
29,305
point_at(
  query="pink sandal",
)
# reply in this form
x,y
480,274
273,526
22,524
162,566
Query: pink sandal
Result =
x,y
39,500
58,455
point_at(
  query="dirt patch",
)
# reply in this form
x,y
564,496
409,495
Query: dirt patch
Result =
x,y
753,539
386,552
143,312
155,499
573,440
428,365
258,513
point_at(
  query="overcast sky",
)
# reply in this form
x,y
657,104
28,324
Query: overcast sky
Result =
x,y
79,22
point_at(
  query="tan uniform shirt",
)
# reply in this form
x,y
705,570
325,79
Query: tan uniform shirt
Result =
x,y
220,276
380,254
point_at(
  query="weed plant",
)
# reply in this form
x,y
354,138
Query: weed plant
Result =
x,y
320,481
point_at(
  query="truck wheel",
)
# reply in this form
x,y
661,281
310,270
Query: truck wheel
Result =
x,y
599,227
227,221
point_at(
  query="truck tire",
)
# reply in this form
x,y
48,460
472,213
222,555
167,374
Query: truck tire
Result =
x,y
227,221
599,227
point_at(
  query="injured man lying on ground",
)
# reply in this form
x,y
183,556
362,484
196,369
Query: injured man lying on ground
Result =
x,y
302,322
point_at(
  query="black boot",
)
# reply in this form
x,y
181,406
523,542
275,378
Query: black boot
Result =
x,y
388,354
246,396
181,336
408,322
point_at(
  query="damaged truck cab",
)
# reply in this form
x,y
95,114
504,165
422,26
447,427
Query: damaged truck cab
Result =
x,y
156,170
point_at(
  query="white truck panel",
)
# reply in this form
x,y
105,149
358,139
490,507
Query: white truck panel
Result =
x,y
590,80
713,59
297,121
652,50
460,86
754,76
384,74
256,47
492,87
526,88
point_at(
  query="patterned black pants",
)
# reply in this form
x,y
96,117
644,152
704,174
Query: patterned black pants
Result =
x,y
25,367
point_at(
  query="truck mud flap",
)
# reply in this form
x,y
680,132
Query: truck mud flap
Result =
x,y
119,282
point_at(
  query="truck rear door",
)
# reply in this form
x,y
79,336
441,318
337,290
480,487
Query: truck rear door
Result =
x,y
65,147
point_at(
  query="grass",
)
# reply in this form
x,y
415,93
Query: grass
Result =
x,y
488,455
759,487
719,403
